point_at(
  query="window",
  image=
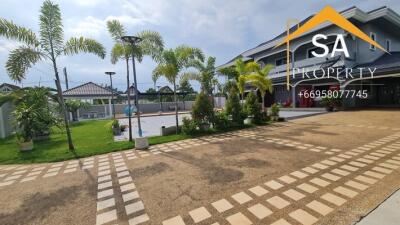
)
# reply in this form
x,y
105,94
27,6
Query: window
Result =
x,y
388,45
280,62
319,50
373,37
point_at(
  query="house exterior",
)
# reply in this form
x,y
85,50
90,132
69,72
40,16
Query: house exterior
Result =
x,y
381,25
6,88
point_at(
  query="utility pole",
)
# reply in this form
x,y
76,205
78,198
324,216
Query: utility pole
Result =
x,y
66,77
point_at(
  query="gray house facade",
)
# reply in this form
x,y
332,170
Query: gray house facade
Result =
x,y
382,25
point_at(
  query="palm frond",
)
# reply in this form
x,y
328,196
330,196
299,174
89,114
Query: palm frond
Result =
x,y
51,28
240,66
87,45
152,44
20,60
267,68
12,31
169,71
191,76
252,67
116,30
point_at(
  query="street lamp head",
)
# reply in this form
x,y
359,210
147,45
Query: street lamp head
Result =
x,y
109,73
131,39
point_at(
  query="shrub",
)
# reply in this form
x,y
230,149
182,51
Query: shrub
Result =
x,y
253,108
202,111
115,124
275,110
233,107
221,121
189,126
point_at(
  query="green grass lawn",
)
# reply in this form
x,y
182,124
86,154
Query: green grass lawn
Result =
x,y
90,138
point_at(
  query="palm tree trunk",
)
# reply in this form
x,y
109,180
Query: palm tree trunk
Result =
x,y
263,102
129,99
176,109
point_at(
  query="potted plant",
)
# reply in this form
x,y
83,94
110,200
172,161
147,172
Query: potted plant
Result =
x,y
331,103
24,116
274,112
116,127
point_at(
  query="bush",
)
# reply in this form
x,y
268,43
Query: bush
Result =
x,y
115,124
221,121
233,107
275,110
253,108
189,126
202,111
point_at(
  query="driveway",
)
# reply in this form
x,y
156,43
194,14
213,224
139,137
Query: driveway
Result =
x,y
326,169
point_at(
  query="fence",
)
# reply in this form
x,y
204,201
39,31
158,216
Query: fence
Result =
x,y
6,126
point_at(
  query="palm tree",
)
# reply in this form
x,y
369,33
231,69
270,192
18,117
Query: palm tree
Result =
x,y
48,46
259,78
173,62
74,105
205,75
151,44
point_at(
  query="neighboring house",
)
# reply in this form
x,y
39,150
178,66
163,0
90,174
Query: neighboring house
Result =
x,y
382,25
7,88
99,97
6,109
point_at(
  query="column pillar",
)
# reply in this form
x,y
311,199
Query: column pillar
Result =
x,y
293,97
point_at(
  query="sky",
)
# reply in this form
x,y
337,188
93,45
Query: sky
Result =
x,y
221,28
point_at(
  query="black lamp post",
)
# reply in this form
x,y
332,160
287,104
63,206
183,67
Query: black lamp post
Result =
x,y
134,41
159,96
112,92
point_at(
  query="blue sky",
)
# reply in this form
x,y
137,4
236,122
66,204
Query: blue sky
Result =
x,y
220,28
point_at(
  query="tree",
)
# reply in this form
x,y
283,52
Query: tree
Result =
x,y
74,105
151,45
259,78
48,46
205,75
172,63
252,107
233,107
153,95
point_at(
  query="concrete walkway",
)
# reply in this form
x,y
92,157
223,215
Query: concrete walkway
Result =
x,y
388,212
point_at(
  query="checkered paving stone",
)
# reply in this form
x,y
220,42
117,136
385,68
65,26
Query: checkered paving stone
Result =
x,y
323,174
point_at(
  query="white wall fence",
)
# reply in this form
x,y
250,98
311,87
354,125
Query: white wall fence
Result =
x,y
6,126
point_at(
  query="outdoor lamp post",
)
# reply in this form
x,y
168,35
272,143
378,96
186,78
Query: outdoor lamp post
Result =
x,y
140,143
112,92
159,97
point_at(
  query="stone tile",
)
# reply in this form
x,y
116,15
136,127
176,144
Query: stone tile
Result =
x,y
19,172
241,197
238,219
281,222
13,177
127,187
259,191
329,162
299,174
374,174
371,157
307,188
6,183
278,202
365,160
70,170
393,162
356,185
320,182
125,180
104,172
330,176
199,214
358,164
295,195
139,219
303,217
105,204
105,193
104,185
260,211
340,172
104,178
273,185
119,169
345,156
349,168
287,179
310,170
345,191
319,166
390,166
134,207
106,217
130,196
334,199
174,221
366,179
50,174
222,205
29,178
382,170
319,207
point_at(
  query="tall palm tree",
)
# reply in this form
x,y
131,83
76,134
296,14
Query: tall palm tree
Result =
x,y
48,46
205,74
172,64
259,78
151,44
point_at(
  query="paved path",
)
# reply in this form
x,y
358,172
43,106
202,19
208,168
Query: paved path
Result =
x,y
328,169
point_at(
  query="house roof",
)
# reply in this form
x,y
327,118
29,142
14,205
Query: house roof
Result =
x,y
165,89
89,89
12,86
132,90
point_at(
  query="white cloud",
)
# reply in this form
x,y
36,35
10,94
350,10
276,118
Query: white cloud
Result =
x,y
6,46
87,3
88,27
